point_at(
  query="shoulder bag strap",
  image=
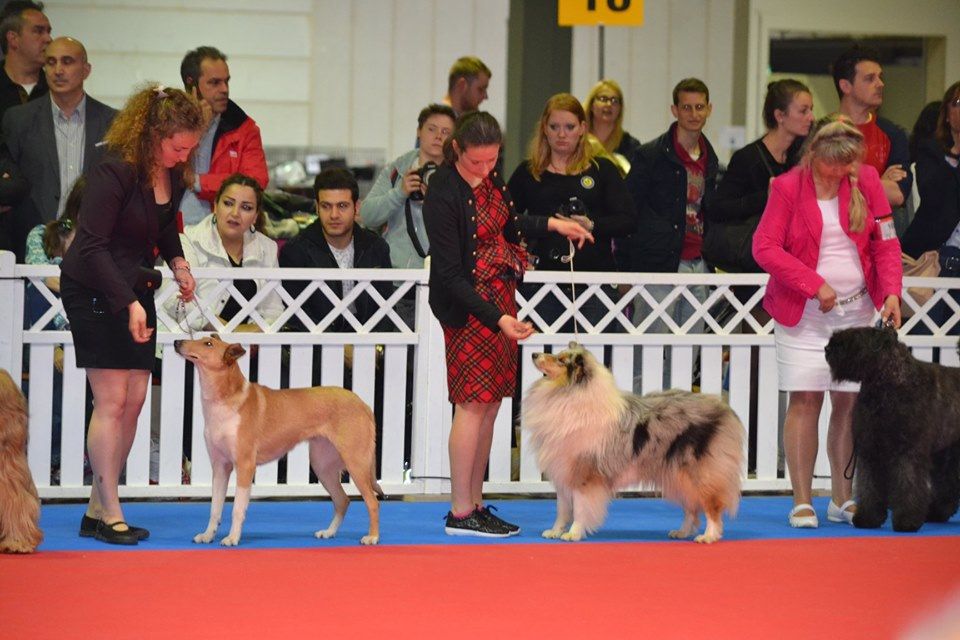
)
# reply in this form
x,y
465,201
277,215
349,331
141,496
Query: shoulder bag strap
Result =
x,y
411,230
763,159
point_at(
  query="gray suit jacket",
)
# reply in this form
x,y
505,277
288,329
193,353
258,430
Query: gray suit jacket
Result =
x,y
28,133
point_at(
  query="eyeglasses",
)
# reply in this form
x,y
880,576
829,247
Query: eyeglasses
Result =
x,y
699,108
611,100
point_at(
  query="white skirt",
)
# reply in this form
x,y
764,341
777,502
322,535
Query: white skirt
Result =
x,y
801,363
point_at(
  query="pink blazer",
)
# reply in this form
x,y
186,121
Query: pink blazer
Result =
x,y
787,242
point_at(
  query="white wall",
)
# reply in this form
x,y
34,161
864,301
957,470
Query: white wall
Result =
x,y
331,73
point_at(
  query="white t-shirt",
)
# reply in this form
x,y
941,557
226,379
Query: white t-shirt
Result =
x,y
344,258
839,262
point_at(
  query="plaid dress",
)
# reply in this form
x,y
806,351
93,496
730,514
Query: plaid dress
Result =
x,y
482,363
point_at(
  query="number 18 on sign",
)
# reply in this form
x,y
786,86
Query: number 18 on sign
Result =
x,y
611,13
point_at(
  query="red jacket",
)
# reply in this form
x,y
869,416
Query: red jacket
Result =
x,y
787,242
237,148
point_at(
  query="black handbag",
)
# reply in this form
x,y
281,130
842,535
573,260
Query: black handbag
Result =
x,y
729,245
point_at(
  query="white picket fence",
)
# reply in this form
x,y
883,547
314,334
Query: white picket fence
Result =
x,y
402,373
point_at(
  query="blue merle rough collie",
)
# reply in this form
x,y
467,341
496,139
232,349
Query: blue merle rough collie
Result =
x,y
593,440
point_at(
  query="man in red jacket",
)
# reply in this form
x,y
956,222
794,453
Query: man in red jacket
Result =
x,y
231,143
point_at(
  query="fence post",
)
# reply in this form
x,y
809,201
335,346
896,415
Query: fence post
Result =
x,y
11,317
429,398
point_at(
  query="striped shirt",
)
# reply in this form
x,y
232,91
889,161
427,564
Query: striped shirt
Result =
x,y
70,134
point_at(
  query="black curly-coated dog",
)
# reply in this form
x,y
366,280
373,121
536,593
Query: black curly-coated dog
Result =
x,y
906,429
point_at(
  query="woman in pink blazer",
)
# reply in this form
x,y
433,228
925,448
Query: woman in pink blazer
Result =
x,y
827,240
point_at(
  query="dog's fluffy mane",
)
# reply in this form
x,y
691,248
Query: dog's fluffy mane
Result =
x,y
561,413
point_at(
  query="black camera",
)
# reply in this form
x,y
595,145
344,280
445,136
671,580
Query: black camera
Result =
x,y
425,172
573,207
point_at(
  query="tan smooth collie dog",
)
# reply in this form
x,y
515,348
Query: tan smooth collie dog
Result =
x,y
246,424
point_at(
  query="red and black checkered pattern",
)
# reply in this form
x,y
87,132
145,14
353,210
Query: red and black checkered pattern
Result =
x,y
482,363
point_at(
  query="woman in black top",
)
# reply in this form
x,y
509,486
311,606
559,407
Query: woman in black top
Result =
x,y
938,180
128,212
476,260
742,194
563,175
604,110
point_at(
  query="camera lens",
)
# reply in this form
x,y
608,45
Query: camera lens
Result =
x,y
425,172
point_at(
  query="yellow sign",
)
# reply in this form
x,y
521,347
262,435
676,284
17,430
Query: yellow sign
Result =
x,y
616,13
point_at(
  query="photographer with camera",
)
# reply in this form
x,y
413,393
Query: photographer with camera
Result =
x,y
564,174
394,205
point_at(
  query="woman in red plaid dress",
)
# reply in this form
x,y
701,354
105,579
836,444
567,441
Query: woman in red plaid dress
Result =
x,y
476,261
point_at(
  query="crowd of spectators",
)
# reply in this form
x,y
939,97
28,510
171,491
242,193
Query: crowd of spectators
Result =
x,y
664,206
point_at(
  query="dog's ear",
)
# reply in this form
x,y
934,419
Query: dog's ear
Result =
x,y
233,352
578,371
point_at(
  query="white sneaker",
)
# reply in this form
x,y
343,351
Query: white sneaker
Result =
x,y
843,513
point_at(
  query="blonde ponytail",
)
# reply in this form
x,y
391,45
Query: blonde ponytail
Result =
x,y
858,206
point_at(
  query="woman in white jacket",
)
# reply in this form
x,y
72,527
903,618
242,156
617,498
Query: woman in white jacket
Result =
x,y
231,236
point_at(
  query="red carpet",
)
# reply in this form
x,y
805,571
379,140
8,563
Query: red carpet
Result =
x,y
860,588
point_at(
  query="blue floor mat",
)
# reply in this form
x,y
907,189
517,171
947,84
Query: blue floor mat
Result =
x,y
275,524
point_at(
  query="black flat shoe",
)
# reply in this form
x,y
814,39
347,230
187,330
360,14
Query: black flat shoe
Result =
x,y
140,532
88,526
108,533
88,529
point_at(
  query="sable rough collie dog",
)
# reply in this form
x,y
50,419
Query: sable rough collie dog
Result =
x,y
19,503
593,440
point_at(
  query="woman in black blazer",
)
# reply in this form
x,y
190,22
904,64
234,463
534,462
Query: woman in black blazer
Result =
x,y
128,213
476,260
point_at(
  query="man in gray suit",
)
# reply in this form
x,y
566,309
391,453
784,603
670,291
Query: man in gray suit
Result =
x,y
53,141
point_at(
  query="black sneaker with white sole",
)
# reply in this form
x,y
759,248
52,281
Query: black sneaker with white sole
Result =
x,y
487,513
474,524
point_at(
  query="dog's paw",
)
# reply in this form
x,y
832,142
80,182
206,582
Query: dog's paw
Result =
x,y
324,534
572,536
16,546
552,534
205,538
706,539
679,534
370,540
230,541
